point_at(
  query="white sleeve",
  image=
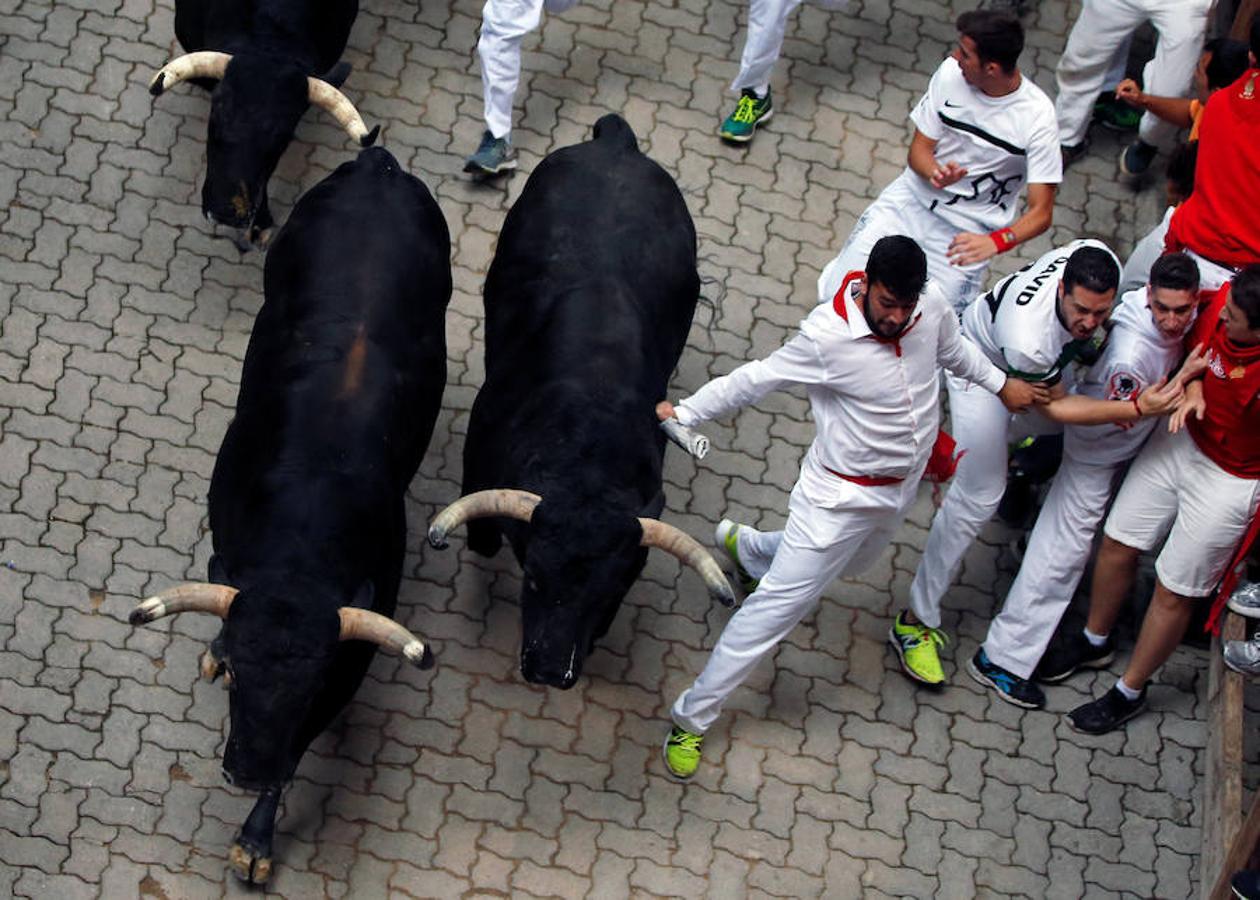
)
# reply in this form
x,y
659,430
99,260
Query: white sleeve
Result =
x,y
796,362
1045,158
963,358
924,114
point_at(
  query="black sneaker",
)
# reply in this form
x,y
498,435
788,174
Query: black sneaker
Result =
x,y
1009,686
1107,713
1073,152
1071,654
1136,158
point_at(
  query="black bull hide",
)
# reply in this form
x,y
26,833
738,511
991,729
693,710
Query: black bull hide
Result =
x,y
588,304
342,383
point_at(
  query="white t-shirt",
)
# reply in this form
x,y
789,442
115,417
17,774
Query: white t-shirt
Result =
x,y
1002,142
1137,354
1016,322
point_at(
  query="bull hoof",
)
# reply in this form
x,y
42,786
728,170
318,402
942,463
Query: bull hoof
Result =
x,y
260,238
248,866
211,666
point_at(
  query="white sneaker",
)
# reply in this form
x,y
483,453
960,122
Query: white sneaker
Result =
x,y
1246,600
1243,656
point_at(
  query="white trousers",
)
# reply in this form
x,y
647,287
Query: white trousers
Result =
x,y
504,24
767,23
980,424
1101,32
1058,550
817,545
898,211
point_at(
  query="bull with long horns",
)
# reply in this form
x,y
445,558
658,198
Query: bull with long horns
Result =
x,y
266,61
341,387
588,301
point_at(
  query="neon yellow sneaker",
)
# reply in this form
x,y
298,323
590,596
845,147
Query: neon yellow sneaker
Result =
x,y
727,536
682,753
750,112
916,647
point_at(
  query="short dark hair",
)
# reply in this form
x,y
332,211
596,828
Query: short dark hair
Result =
x,y
898,263
1253,38
999,36
1093,269
1228,62
1176,272
1180,169
1244,290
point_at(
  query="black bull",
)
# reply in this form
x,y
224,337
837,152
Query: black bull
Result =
x,y
266,61
588,304
341,386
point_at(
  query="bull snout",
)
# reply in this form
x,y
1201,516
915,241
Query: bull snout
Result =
x,y
552,667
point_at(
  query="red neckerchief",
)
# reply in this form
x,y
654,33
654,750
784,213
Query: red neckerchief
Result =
x,y
840,304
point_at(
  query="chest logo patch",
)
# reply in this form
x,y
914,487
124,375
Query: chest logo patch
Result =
x,y
1215,364
1122,386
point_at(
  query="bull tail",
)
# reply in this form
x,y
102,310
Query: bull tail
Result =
x,y
616,130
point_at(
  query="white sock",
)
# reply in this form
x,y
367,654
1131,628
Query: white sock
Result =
x,y
1129,693
1095,640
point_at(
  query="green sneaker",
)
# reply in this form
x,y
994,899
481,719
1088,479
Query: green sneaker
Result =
x,y
749,113
916,646
682,752
727,536
1116,114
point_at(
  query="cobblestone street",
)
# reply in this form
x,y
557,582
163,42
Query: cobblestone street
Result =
x,y
123,324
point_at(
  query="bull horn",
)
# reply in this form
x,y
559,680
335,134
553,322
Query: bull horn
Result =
x,y
689,552
338,105
201,64
507,502
196,597
365,625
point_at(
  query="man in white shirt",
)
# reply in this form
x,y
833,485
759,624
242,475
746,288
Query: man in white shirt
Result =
x,y
982,131
870,361
1032,325
1143,345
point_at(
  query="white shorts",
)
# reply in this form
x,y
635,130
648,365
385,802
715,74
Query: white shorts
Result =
x,y
1173,489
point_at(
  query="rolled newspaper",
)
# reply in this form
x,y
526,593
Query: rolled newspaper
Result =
x,y
693,442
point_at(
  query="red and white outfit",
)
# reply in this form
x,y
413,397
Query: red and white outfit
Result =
x,y
1201,486
1137,354
875,404
1217,223
1016,325
1003,143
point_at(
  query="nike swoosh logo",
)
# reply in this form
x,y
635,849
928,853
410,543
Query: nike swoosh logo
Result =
x,y
954,105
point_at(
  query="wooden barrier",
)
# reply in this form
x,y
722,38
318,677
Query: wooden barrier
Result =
x,y
1227,843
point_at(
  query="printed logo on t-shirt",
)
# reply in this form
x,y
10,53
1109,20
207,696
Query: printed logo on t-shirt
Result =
x,y
1122,386
1215,364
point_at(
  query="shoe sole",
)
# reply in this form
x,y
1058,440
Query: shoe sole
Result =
x,y
744,139
473,168
1101,663
1236,668
669,770
747,583
1068,718
980,678
1249,612
901,657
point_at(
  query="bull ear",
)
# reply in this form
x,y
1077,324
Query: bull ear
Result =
x,y
364,596
337,75
217,570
